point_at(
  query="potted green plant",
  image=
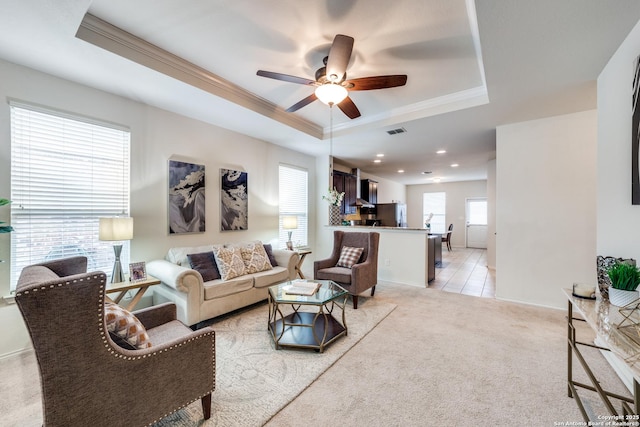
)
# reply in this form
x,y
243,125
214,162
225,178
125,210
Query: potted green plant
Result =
x,y
625,279
5,228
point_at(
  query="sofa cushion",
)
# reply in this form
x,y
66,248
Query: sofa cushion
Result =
x,y
205,264
179,255
254,257
124,327
341,275
349,256
269,250
229,260
270,277
221,288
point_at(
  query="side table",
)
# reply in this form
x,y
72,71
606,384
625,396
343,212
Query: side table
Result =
x,y
123,287
303,253
315,328
604,319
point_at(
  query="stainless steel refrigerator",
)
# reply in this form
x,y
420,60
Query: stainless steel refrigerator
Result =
x,y
392,214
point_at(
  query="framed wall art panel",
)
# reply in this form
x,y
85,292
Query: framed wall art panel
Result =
x,y
186,198
234,209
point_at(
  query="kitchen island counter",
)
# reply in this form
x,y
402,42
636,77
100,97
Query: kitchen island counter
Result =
x,y
403,253
377,227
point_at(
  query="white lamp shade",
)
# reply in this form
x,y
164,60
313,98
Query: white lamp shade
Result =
x,y
331,93
116,228
290,222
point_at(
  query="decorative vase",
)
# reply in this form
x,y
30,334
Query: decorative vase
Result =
x,y
334,215
620,298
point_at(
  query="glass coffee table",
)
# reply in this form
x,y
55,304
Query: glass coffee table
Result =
x,y
309,320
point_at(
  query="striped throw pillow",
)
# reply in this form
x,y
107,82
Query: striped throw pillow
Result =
x,y
349,256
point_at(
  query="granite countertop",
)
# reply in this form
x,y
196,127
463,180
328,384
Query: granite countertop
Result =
x,y
380,227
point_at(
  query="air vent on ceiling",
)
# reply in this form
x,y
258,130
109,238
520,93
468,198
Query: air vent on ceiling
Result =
x,y
396,131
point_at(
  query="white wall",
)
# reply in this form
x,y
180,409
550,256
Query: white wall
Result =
x,y
618,230
157,135
387,190
545,207
457,194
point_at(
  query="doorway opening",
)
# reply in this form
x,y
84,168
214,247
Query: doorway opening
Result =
x,y
476,223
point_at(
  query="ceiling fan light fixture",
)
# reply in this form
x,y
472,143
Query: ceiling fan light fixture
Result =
x,y
331,93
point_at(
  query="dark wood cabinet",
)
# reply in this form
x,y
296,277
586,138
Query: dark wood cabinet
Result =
x,y
346,182
350,193
369,190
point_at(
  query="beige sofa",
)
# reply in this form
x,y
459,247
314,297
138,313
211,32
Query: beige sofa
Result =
x,y
197,300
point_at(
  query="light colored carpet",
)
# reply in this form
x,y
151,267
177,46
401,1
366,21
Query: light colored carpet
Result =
x,y
445,359
253,381
437,359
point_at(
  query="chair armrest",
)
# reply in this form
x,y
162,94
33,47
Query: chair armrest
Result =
x,y
180,278
324,263
364,275
157,315
182,368
288,259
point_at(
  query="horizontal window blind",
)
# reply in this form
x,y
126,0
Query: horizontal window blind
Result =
x,y
65,174
435,203
293,201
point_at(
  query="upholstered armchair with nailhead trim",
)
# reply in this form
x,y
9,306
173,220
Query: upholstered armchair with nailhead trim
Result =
x,y
89,380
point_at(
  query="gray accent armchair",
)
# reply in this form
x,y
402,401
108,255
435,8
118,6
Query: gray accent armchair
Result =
x,y
363,275
86,378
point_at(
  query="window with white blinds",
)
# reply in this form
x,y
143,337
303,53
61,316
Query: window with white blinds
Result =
x,y
435,203
66,172
293,201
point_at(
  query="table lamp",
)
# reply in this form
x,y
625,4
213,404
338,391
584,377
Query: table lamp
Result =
x,y
116,229
290,223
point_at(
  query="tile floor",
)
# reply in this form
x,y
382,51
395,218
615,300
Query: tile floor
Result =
x,y
464,271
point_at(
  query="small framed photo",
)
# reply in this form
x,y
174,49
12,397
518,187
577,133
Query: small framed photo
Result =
x,y
137,272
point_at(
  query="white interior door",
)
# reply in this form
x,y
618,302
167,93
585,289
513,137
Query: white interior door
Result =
x,y
476,230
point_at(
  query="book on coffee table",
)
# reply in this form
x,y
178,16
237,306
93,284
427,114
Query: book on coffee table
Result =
x,y
302,288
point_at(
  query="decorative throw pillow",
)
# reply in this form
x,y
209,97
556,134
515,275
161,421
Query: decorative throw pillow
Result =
x,y
230,263
269,250
125,328
349,256
205,264
255,257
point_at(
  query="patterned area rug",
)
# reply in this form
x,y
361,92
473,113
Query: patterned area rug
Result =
x,y
254,381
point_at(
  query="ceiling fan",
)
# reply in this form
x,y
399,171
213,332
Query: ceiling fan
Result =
x,y
331,82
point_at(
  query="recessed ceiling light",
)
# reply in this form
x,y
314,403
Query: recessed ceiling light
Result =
x,y
380,155
425,172
377,161
455,165
436,180
400,170
441,151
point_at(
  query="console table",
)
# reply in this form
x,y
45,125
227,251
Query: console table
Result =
x,y
604,319
123,287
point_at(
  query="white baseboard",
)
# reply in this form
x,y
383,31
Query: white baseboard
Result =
x,y
16,353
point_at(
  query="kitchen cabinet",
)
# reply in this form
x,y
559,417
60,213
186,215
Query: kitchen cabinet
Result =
x,y
346,182
369,190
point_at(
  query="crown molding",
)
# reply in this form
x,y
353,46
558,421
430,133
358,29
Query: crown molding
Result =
x,y
115,40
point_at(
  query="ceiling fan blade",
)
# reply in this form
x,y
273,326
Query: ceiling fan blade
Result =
x,y
339,56
285,77
349,108
306,101
377,82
